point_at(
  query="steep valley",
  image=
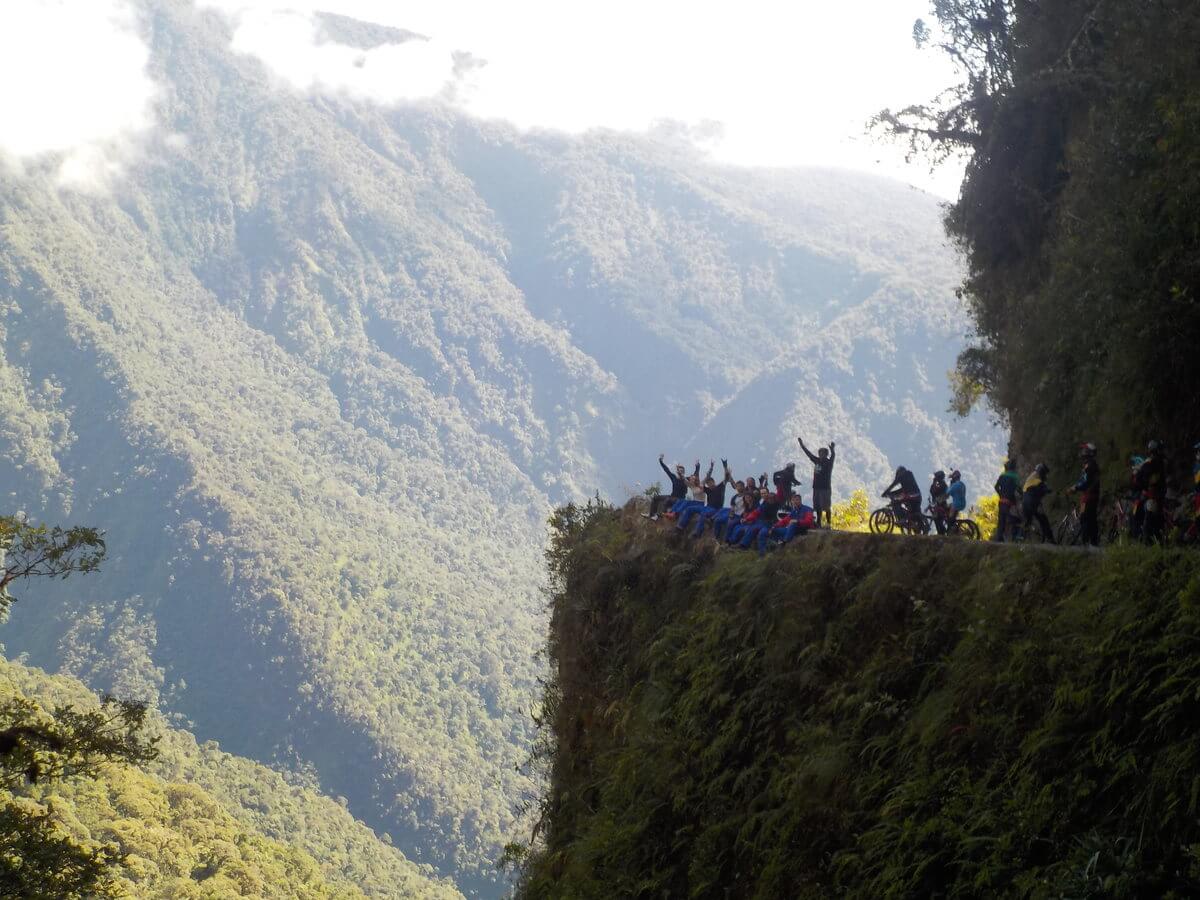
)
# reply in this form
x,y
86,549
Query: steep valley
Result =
x,y
320,369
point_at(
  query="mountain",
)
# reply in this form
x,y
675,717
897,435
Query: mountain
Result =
x,y
203,823
320,368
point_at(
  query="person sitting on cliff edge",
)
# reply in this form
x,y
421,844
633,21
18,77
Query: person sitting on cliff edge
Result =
x,y
714,499
797,519
679,488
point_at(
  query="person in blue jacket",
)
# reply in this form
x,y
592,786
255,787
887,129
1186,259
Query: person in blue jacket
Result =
x,y
956,495
798,519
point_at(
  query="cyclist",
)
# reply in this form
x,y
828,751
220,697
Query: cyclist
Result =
x,y
1032,495
1152,477
1088,488
905,494
938,492
1008,488
956,496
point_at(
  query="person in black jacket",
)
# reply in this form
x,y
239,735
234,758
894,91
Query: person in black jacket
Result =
x,y
822,491
938,492
1152,479
714,499
905,491
784,480
1035,491
679,487
1088,488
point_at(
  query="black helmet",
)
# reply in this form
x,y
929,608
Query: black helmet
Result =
x,y
1042,469
1153,446
939,475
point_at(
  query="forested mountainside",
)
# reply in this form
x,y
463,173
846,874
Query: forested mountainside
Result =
x,y
865,716
319,369
1079,215
202,823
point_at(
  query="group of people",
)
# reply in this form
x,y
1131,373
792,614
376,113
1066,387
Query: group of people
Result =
x,y
760,513
765,513
1147,494
947,497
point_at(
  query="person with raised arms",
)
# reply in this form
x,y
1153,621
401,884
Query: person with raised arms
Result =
x,y
822,483
679,488
714,499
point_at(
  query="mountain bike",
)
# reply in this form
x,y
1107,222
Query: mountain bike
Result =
x,y
1121,521
895,515
957,527
1067,532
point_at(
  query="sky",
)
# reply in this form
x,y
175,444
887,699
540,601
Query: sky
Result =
x,y
760,83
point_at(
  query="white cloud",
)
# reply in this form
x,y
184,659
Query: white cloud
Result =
x,y
76,93
286,41
792,83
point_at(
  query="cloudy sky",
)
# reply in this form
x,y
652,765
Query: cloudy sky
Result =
x,y
790,83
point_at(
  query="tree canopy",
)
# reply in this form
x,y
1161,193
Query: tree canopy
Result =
x,y
1078,215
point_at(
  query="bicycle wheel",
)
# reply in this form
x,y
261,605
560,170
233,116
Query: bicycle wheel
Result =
x,y
968,529
882,521
919,524
1067,532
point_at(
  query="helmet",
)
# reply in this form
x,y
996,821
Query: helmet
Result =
x,y
939,474
1153,446
1088,449
955,475
1042,469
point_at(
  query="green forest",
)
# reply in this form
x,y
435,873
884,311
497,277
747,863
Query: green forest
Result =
x,y
864,716
1078,216
320,369
101,797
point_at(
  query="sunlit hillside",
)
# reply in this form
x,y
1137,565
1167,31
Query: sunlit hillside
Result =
x,y
319,369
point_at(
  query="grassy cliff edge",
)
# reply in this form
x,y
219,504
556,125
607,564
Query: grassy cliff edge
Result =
x,y
866,716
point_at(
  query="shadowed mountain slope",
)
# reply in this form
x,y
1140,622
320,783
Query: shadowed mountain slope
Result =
x,y
319,369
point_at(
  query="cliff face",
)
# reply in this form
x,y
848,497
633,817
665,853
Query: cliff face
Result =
x,y
866,716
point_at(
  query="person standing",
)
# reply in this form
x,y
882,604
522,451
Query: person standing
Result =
x,y
1088,488
1153,478
939,491
1008,489
822,492
1032,495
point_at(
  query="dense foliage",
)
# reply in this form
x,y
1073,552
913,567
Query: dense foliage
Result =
x,y
1079,213
80,817
862,716
191,823
319,368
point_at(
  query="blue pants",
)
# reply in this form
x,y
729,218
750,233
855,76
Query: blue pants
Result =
x,y
683,505
720,521
701,511
751,532
783,535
